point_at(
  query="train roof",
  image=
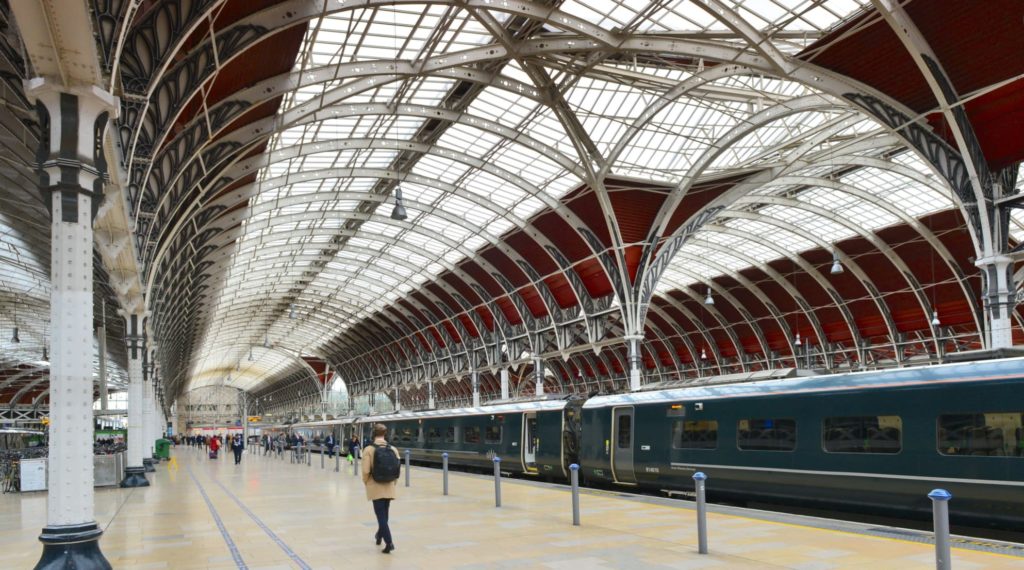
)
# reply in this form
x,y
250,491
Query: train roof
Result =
x,y
19,431
322,423
505,408
988,370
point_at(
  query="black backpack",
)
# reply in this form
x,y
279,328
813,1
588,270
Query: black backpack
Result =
x,y
386,466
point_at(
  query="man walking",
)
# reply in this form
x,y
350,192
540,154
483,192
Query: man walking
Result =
x,y
381,467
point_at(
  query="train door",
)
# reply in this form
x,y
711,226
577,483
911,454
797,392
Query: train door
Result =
x,y
622,444
530,441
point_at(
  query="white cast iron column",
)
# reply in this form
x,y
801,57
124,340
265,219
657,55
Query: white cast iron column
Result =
x,y
538,373
474,378
634,362
147,420
998,292
135,473
71,169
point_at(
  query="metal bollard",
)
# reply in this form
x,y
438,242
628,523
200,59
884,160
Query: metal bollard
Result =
x,y
406,467
309,456
337,459
940,519
497,481
322,453
444,469
702,513
575,481
292,455
355,466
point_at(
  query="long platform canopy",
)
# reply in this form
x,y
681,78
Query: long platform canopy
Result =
x,y
740,185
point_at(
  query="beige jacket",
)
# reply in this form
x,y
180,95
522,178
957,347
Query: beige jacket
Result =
x,y
375,490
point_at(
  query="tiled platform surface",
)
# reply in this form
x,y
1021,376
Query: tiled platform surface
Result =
x,y
280,515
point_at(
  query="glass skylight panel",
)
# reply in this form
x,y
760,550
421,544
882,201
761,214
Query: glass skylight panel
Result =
x,y
502,106
526,163
545,127
417,195
465,138
440,168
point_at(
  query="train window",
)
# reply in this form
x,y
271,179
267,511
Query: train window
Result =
x,y
991,434
434,435
471,435
766,435
492,434
405,434
863,434
449,436
695,434
625,425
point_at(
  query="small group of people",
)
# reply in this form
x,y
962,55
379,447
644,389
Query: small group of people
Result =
x,y
380,470
213,443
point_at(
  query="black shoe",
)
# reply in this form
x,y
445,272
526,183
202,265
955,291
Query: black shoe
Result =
x,y
388,549
377,537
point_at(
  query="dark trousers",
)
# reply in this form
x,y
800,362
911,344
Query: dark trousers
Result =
x,y
380,508
238,455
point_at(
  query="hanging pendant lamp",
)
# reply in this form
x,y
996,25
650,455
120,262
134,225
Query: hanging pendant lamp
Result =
x,y
399,213
837,267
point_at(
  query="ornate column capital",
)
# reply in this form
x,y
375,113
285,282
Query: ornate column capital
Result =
x,y
70,158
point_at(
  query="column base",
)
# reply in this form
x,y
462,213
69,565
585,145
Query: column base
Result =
x,y
135,477
75,546
147,464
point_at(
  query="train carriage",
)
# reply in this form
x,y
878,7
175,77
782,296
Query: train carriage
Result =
x,y
874,442
534,438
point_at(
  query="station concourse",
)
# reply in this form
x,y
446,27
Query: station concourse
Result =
x,y
773,243
208,514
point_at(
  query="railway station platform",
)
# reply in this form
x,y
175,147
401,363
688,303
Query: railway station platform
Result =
x,y
270,513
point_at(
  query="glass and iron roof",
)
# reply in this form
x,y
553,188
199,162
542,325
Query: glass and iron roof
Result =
x,y
485,116
318,252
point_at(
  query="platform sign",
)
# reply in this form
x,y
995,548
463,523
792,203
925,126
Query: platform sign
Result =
x,y
254,419
33,474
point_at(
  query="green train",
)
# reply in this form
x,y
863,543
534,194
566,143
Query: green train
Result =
x,y
870,442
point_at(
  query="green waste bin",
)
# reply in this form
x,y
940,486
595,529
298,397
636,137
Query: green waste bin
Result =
x,y
163,448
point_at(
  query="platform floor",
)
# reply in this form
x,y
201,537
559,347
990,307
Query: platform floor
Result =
x,y
268,513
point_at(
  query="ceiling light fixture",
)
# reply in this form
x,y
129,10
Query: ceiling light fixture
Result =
x,y
709,300
250,354
798,341
14,337
266,340
291,311
837,267
399,213
935,318
703,354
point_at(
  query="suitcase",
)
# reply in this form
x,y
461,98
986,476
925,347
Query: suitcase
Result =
x,y
213,455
